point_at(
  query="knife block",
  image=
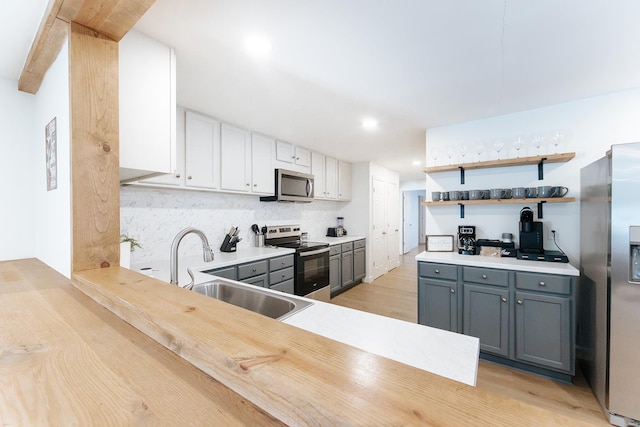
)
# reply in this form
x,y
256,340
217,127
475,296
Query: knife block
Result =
x,y
228,245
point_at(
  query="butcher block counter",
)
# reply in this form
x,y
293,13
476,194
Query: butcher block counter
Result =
x,y
66,360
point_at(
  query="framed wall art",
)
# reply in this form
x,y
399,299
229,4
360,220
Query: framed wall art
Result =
x,y
441,243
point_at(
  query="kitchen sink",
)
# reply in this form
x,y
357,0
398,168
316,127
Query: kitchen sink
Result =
x,y
252,298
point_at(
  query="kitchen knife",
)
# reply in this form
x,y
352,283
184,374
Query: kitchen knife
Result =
x,y
255,229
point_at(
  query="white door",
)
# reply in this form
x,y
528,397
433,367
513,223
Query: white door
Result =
x,y
317,170
235,159
392,204
422,219
410,218
379,244
202,151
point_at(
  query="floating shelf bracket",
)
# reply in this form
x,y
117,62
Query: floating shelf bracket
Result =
x,y
540,208
461,175
461,209
541,169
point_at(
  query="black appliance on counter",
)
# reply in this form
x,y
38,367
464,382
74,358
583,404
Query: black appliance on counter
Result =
x,y
531,236
467,239
311,266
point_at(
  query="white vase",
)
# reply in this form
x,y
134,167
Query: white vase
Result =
x,y
125,254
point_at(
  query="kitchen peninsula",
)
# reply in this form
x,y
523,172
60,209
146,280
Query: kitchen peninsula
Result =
x,y
94,368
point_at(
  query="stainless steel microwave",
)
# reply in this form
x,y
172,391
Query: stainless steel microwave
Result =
x,y
291,186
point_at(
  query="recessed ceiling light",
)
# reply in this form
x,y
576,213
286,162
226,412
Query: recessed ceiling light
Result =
x,y
369,123
257,45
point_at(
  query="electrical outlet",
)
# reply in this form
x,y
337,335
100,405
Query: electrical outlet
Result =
x,y
550,233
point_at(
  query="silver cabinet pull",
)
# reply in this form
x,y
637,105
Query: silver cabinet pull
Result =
x,y
189,177
453,291
520,302
437,271
177,175
542,284
504,299
484,276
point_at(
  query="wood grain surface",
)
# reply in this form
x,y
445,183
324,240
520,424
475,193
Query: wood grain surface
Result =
x,y
65,360
95,186
296,376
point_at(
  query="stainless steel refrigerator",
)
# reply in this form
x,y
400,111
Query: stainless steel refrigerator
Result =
x,y
608,336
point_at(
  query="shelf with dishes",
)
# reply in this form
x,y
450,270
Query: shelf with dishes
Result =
x,y
539,160
538,200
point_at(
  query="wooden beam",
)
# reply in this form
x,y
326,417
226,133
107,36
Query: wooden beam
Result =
x,y
111,18
95,187
45,48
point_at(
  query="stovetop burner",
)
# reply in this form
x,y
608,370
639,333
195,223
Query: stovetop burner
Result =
x,y
289,236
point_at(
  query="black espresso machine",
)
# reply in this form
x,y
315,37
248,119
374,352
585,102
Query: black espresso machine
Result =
x,y
531,240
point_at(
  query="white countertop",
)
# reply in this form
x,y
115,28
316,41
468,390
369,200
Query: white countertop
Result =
x,y
160,268
441,352
336,240
505,263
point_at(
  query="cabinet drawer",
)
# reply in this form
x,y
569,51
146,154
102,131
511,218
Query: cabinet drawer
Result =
x,y
280,275
487,276
286,287
544,283
225,273
438,271
252,269
281,262
335,250
359,244
347,246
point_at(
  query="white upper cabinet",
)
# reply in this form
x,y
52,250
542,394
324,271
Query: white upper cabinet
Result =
x,y
147,91
202,151
317,170
344,180
235,158
289,156
262,171
331,178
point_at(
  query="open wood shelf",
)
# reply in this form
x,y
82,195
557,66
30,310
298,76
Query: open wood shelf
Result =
x,y
519,161
502,201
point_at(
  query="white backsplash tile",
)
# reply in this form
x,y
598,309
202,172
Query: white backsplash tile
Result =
x,y
154,216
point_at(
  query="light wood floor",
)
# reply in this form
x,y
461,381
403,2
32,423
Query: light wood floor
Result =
x,y
395,295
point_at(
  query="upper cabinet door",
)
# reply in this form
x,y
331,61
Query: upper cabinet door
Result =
x,y
285,152
331,178
147,91
202,155
344,180
303,157
235,158
262,174
317,170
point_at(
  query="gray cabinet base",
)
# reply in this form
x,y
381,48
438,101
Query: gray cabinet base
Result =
x,y
525,367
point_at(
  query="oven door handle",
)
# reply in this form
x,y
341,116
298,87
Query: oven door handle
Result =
x,y
316,252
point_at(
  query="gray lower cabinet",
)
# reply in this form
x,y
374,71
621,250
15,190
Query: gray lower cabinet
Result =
x,y
486,316
274,273
522,319
438,303
347,265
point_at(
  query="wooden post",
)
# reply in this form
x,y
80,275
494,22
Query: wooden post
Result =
x,y
95,190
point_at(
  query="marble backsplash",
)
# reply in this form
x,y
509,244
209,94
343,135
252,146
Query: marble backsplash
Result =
x,y
154,216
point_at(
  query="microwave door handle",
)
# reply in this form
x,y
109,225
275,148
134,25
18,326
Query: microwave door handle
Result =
x,y
309,188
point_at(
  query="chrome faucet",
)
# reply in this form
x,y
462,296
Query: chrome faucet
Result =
x,y
207,253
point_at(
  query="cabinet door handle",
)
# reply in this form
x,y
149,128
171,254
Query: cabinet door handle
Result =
x,y
542,284
453,291
437,271
253,270
255,185
189,177
248,185
484,276
177,175
520,302
504,299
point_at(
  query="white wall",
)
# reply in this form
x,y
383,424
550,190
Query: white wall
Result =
x,y
52,222
16,172
593,125
154,216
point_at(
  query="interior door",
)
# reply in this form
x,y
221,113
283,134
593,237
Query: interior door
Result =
x,y
378,210
410,220
392,207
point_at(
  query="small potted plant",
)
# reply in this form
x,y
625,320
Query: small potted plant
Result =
x,y
127,245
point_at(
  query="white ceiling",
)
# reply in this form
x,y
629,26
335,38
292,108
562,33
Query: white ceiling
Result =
x,y
412,64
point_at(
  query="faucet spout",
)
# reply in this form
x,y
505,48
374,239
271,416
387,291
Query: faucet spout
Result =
x,y
207,252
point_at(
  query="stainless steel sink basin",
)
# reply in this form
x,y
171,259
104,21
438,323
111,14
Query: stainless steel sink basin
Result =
x,y
252,298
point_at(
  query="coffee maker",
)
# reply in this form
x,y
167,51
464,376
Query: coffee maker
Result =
x,y
531,233
467,239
